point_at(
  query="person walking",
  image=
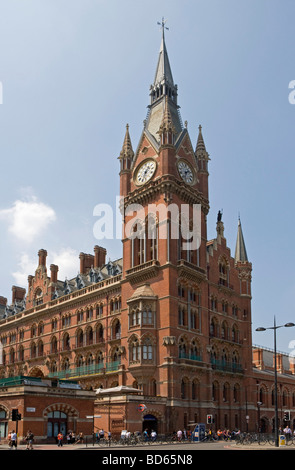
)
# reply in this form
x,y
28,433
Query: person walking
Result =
x,y
288,433
59,439
29,440
13,440
179,435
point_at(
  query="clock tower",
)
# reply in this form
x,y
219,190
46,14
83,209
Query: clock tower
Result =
x,y
161,189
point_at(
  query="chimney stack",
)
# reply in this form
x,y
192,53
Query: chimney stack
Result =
x,y
54,271
18,294
42,257
86,262
99,256
3,300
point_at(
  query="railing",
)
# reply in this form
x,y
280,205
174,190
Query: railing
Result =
x,y
227,366
191,357
91,369
78,371
112,366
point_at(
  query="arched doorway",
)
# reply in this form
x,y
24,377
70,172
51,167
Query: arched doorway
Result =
x,y
56,423
149,423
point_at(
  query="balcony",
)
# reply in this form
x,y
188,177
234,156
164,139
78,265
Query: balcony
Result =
x,y
232,367
190,357
143,271
85,370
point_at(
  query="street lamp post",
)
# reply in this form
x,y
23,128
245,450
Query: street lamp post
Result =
x,y
274,328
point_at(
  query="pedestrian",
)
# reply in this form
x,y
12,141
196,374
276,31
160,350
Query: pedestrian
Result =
x,y
29,440
80,438
13,440
59,439
153,435
9,439
179,435
287,432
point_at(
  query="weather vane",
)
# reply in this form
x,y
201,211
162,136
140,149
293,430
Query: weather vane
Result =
x,y
162,24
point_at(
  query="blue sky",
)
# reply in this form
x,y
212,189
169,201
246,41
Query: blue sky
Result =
x,y
74,72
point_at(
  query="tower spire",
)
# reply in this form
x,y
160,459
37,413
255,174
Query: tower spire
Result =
x,y
240,253
163,93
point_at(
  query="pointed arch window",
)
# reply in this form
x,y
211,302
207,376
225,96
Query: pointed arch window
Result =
x,y
147,350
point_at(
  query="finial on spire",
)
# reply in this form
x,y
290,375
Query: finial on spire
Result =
x,y
162,24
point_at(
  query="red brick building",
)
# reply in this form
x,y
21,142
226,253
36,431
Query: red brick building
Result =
x,y
168,326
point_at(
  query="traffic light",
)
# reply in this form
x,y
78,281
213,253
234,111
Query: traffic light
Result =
x,y
287,415
15,415
210,419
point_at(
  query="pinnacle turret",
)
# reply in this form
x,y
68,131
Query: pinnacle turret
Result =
x,y
240,253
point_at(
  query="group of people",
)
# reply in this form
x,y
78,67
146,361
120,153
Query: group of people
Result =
x,y
12,440
100,435
225,434
287,431
70,438
152,436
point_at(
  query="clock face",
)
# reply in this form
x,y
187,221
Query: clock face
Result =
x,y
185,172
145,172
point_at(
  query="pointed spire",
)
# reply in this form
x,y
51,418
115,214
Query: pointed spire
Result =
x,y
163,71
241,253
200,143
163,91
127,150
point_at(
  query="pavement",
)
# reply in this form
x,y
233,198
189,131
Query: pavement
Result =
x,y
185,446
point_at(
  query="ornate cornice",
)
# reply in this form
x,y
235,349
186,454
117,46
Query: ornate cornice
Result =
x,y
166,185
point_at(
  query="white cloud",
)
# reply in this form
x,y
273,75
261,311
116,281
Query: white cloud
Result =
x,y
28,219
26,266
67,259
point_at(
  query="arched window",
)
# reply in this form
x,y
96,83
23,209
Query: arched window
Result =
x,y
147,316
80,339
182,353
12,356
116,330
135,350
40,348
66,342
99,333
147,350
38,299
54,345
33,350
89,336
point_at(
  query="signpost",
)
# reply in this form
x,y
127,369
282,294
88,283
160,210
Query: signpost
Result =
x,y
92,417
